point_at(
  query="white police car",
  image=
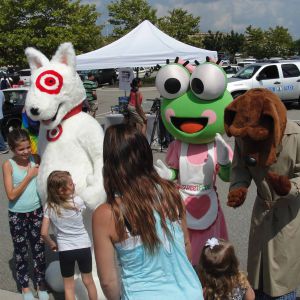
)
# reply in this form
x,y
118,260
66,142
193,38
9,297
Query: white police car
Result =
x,y
282,78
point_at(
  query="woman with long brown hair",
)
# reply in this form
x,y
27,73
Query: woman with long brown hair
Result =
x,y
143,222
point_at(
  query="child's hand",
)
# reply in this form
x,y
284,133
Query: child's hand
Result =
x,y
33,171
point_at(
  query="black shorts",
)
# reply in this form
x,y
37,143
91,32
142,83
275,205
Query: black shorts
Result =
x,y
67,261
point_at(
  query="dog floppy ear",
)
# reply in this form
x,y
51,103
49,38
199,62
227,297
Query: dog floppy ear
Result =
x,y
36,59
274,108
65,54
229,114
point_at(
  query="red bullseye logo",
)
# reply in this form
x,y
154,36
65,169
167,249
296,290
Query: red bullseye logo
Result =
x,y
54,134
49,82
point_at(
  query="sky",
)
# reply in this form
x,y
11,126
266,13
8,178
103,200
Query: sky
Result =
x,y
227,15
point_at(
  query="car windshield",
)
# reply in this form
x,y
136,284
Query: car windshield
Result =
x,y
15,97
25,73
247,72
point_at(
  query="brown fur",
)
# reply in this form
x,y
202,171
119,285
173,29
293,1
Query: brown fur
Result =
x,y
258,117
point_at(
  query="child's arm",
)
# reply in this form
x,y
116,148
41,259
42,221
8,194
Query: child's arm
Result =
x,y
15,192
105,252
250,295
45,234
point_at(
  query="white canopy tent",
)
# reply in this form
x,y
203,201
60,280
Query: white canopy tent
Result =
x,y
144,46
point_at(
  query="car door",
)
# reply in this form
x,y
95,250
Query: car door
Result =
x,y
290,81
268,77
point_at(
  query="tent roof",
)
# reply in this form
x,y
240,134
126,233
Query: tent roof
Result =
x,y
145,45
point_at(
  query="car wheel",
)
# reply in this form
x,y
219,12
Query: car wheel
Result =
x,y
236,94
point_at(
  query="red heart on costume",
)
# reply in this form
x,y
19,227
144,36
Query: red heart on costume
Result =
x,y
197,206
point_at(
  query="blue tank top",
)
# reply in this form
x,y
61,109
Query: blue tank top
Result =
x,y
165,275
29,200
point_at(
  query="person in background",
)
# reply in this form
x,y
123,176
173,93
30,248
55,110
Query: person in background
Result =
x,y
3,147
91,103
4,84
25,212
143,222
64,210
17,82
135,110
220,275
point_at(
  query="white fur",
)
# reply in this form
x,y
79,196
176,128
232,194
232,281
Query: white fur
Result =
x,y
79,149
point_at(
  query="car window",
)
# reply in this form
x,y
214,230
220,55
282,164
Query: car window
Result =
x,y
15,97
290,70
247,72
269,72
25,73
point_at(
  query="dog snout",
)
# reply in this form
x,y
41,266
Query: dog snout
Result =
x,y
34,111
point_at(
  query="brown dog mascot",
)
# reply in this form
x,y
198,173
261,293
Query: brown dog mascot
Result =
x,y
267,150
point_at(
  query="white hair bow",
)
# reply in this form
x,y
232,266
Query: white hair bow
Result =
x,y
211,243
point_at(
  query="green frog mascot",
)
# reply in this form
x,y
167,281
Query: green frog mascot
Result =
x,y
192,109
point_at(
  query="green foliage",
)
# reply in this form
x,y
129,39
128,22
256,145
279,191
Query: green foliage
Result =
x,y
278,42
125,15
296,47
180,25
272,42
44,24
214,41
255,41
233,42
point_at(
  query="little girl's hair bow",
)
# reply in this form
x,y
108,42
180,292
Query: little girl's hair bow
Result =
x,y
211,243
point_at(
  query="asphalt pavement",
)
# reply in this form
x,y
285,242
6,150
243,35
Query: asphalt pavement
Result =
x,y
238,220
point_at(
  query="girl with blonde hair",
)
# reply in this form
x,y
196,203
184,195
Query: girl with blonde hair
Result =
x,y
220,275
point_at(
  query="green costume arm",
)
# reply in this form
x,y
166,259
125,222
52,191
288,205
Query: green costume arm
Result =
x,y
174,174
224,172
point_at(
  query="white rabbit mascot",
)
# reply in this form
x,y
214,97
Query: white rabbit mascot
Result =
x,y
69,139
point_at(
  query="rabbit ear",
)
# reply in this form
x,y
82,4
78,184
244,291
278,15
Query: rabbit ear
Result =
x,y
36,59
65,54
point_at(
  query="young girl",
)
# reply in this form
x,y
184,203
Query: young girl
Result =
x,y
219,273
25,212
135,110
143,223
64,210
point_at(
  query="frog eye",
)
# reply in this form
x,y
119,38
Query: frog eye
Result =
x,y
208,81
172,81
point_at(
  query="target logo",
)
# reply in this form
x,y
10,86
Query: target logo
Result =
x,y
54,134
49,82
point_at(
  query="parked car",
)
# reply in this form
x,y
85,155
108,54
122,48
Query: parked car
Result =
x,y
282,78
231,70
102,76
25,75
12,108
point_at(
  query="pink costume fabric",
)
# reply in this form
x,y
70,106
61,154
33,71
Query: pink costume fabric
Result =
x,y
197,166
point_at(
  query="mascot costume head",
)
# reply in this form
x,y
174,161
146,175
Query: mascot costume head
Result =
x,y
258,120
193,100
69,139
192,110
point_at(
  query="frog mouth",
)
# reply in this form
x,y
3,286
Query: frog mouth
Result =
x,y
189,125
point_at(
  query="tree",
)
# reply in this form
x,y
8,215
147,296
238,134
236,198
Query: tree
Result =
x,y
272,42
180,25
255,42
296,47
125,15
233,43
44,24
279,42
214,41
